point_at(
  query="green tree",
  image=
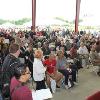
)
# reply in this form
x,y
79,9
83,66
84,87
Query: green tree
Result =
x,y
2,21
16,22
61,19
22,21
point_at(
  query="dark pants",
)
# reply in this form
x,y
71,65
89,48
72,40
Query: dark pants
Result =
x,y
65,73
73,75
40,85
74,72
30,65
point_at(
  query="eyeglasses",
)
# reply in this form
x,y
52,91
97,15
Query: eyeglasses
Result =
x,y
27,73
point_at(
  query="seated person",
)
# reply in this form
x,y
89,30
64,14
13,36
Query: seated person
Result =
x,y
62,66
52,72
64,50
83,54
18,89
94,57
73,51
45,48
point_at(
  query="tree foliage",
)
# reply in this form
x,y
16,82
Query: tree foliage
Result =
x,y
2,21
16,22
66,21
61,19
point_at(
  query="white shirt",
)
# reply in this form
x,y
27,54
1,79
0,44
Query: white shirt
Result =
x,y
83,50
38,70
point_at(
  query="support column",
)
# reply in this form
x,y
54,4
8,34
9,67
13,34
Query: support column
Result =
x,y
77,15
33,14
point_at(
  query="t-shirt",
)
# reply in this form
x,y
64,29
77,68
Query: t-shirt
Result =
x,y
51,64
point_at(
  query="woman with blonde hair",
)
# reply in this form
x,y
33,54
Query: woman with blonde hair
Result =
x,y
39,70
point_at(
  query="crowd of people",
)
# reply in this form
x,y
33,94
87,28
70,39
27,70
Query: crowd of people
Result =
x,y
44,57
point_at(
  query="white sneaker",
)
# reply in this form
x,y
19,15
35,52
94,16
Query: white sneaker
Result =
x,y
75,83
66,87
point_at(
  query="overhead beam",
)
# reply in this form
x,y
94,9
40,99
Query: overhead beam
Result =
x,y
77,15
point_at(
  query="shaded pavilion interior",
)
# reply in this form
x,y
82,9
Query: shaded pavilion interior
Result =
x,y
76,17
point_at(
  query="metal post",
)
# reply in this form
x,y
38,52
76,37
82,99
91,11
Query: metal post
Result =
x,y
33,14
77,15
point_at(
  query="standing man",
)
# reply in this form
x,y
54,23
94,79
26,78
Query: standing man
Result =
x,y
8,69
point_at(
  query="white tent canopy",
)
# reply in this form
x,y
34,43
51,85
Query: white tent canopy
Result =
x,y
90,22
45,22
27,24
50,21
8,25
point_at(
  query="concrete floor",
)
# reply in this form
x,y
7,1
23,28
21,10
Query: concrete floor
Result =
x,y
88,83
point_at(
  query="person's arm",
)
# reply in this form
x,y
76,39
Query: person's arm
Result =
x,y
51,75
55,69
48,72
96,60
57,65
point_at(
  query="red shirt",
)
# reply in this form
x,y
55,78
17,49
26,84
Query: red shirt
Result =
x,y
51,64
22,93
39,33
73,52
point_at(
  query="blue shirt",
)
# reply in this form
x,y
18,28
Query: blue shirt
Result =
x,y
61,63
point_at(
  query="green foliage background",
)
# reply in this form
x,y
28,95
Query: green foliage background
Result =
x,y
16,22
69,24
